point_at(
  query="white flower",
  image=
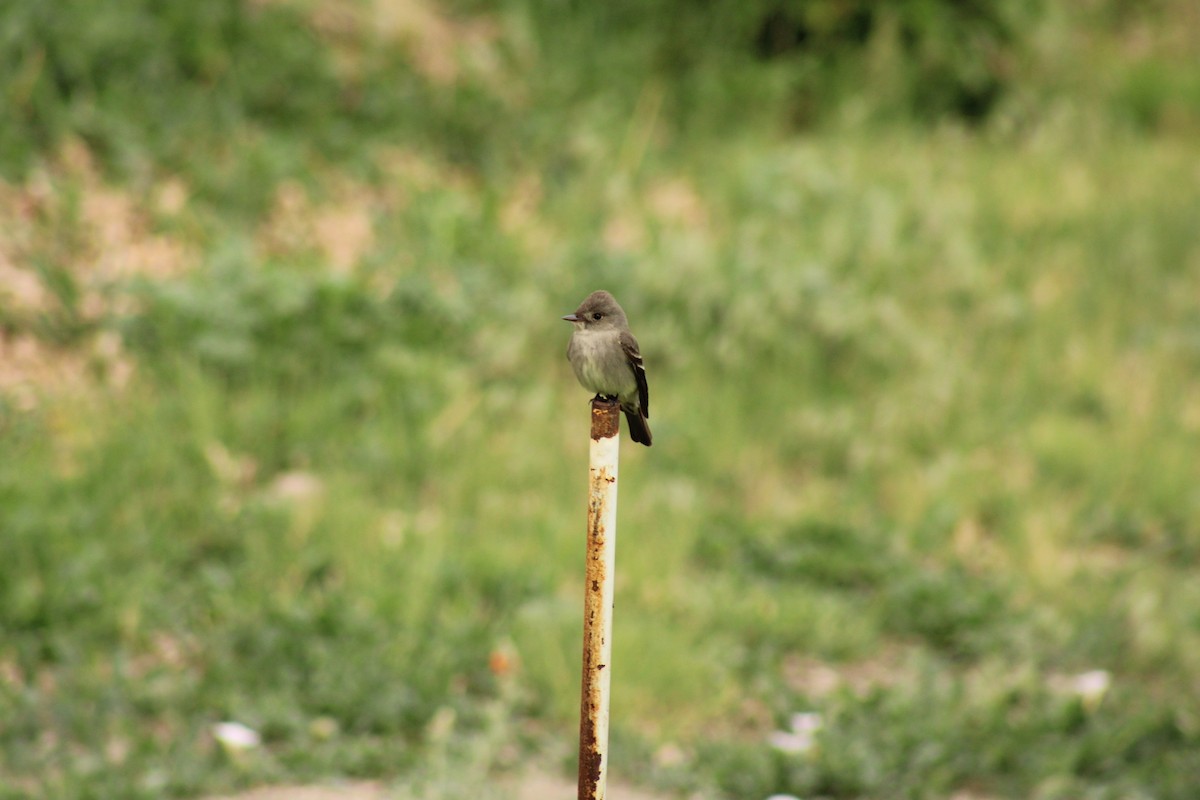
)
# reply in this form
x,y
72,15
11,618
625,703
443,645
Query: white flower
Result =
x,y
806,722
1091,686
802,737
236,737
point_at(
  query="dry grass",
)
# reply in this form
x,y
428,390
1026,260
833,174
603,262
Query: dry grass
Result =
x,y
67,220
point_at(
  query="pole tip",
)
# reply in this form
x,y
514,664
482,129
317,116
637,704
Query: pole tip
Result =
x,y
606,417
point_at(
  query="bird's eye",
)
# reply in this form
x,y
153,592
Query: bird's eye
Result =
x,y
597,315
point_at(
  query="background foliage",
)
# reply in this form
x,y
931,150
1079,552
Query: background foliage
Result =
x,y
289,439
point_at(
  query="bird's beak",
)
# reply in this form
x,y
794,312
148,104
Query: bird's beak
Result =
x,y
571,318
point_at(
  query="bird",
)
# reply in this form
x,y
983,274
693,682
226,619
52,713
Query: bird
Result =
x,y
607,361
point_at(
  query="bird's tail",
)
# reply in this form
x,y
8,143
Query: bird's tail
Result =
x,y
639,429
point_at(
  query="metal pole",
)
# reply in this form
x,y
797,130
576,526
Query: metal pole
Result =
x,y
598,599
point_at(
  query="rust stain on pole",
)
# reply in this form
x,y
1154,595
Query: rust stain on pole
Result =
x,y
606,421
598,600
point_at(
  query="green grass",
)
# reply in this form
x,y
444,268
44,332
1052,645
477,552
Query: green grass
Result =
x,y
924,402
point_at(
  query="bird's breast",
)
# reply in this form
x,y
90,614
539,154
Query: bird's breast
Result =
x,y
599,362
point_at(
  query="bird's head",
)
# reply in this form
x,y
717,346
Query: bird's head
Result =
x,y
600,311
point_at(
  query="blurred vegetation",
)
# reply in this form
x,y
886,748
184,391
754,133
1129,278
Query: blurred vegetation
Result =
x,y
289,438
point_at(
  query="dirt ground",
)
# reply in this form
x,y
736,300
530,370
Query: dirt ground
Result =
x,y
532,785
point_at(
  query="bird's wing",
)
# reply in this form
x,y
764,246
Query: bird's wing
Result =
x,y
630,346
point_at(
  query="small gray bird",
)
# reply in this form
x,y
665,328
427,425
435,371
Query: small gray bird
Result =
x,y
607,361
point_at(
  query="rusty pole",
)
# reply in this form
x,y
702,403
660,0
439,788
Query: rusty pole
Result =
x,y
598,599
